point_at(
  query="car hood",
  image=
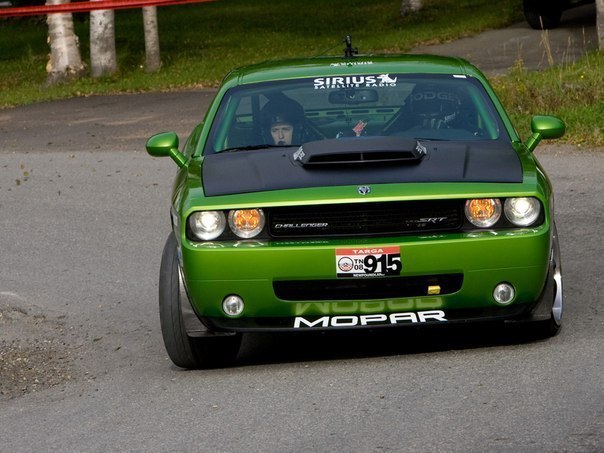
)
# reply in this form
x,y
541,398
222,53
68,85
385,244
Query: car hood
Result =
x,y
281,168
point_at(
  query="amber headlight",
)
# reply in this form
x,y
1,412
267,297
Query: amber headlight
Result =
x,y
207,225
523,211
483,212
246,223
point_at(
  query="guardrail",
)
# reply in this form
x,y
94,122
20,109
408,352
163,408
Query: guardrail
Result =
x,y
79,7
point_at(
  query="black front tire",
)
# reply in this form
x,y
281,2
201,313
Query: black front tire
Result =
x,y
185,351
542,15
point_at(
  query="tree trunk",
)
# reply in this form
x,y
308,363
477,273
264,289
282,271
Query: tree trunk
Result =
x,y
103,61
152,58
600,23
411,6
65,62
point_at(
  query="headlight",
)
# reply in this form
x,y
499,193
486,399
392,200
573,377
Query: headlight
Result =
x,y
483,212
246,223
207,225
522,211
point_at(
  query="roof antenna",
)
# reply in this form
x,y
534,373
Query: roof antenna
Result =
x,y
349,51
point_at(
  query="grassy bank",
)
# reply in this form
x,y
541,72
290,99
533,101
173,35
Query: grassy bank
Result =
x,y
201,42
573,92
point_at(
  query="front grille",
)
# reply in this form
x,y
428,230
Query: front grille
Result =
x,y
366,288
357,219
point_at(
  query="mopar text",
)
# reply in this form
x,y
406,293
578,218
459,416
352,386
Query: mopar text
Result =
x,y
366,320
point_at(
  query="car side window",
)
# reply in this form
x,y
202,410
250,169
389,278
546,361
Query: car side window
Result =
x,y
242,128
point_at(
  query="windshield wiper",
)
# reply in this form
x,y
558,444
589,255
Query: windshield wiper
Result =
x,y
253,147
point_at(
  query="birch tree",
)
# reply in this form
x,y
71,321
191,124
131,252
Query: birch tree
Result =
x,y
600,22
103,60
65,62
411,6
152,58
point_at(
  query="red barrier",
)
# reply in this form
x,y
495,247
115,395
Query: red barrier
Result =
x,y
79,7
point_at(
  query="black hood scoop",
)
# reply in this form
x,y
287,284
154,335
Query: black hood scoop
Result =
x,y
359,161
355,151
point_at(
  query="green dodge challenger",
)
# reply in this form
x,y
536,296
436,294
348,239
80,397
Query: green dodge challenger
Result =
x,y
355,193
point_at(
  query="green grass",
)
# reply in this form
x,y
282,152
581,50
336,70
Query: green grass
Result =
x,y
573,92
200,43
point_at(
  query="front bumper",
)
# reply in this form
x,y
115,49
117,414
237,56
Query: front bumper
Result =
x,y
483,259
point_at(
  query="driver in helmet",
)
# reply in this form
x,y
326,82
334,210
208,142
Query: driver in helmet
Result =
x,y
282,131
282,121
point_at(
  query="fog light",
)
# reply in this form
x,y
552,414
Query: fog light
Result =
x,y
232,305
504,293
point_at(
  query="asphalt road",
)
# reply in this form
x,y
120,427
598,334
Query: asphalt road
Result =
x,y
84,218
81,243
495,51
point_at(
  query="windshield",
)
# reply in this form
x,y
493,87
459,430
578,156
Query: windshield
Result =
x,y
293,112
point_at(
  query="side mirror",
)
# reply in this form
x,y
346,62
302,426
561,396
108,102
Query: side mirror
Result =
x,y
166,144
545,127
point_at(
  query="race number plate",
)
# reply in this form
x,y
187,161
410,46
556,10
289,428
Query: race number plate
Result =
x,y
368,262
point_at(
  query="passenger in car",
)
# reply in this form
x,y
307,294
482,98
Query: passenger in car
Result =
x,y
431,107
